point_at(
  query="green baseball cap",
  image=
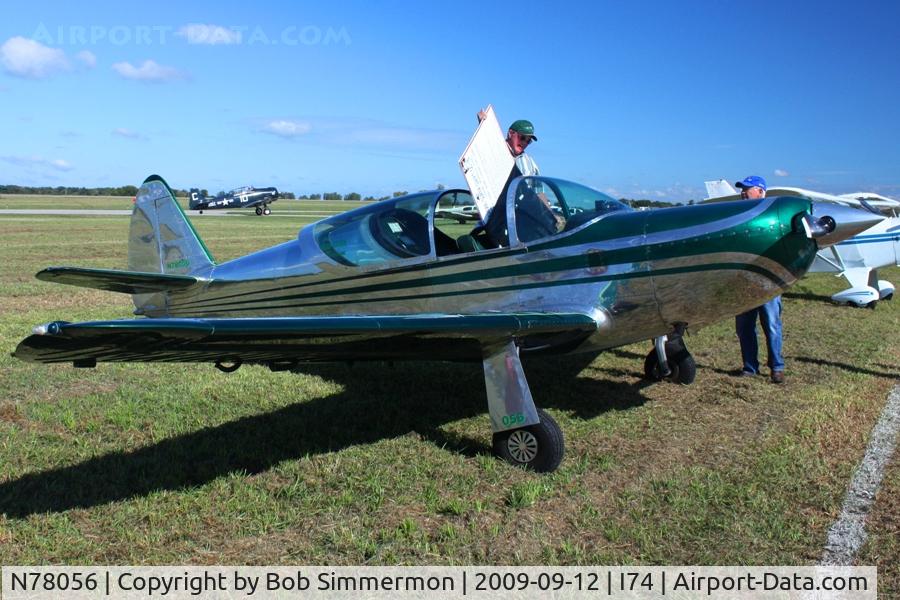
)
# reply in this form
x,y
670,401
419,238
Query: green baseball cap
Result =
x,y
523,127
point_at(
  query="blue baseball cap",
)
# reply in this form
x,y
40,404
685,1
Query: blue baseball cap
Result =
x,y
750,182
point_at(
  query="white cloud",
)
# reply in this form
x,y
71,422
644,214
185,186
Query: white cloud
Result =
x,y
61,165
211,35
150,72
364,134
29,59
781,173
36,161
87,58
286,128
127,133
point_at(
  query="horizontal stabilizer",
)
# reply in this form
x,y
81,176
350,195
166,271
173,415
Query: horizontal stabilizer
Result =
x,y
126,282
276,339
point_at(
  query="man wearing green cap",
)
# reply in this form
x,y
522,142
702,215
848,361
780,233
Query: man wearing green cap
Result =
x,y
546,222
518,137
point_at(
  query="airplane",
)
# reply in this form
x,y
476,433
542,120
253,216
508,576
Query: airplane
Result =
x,y
459,207
856,259
384,282
461,214
243,197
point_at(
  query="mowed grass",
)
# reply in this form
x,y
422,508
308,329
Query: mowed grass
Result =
x,y
385,464
281,207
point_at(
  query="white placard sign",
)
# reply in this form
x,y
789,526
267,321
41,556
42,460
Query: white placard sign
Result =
x,y
487,163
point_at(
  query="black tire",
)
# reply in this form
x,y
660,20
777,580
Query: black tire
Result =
x,y
258,211
681,364
538,448
889,296
267,211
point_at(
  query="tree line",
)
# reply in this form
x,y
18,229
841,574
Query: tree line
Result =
x,y
125,190
130,190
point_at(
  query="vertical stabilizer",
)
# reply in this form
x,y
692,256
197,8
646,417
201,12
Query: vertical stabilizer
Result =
x,y
162,240
719,189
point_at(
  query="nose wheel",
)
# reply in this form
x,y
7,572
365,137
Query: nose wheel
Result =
x,y
680,365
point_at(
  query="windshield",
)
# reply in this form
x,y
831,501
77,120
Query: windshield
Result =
x,y
545,206
383,232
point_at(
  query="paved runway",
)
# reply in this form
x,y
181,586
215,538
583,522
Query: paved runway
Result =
x,y
97,212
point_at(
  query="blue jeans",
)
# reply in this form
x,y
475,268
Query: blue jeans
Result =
x,y
770,319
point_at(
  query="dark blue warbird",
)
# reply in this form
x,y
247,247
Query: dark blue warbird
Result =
x,y
244,197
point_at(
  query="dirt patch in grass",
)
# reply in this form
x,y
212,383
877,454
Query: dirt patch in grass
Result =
x,y
883,546
9,413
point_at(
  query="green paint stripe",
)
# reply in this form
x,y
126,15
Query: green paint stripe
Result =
x,y
518,287
390,272
716,242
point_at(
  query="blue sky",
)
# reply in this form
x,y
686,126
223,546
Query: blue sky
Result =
x,y
642,100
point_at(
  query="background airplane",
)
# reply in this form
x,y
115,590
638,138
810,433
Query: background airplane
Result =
x,y
460,214
244,197
384,282
459,207
857,259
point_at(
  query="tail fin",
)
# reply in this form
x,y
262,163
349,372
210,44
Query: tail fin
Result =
x,y
196,199
719,189
162,240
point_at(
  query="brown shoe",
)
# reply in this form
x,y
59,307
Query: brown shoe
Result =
x,y
778,377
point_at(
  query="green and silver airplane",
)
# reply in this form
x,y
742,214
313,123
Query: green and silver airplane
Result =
x,y
557,268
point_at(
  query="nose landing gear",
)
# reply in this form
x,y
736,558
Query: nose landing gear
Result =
x,y
670,359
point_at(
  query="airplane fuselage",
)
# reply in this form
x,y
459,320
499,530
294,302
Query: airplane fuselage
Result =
x,y
637,273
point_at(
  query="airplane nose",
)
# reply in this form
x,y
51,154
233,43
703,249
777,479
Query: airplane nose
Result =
x,y
829,223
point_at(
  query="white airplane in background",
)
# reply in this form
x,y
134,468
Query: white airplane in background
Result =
x,y
856,259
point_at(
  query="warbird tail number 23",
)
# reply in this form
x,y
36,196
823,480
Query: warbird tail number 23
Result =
x,y
384,282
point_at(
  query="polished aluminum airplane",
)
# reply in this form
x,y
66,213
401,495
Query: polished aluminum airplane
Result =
x,y
559,268
857,259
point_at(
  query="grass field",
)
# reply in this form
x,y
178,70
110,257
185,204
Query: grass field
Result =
x,y
384,464
297,208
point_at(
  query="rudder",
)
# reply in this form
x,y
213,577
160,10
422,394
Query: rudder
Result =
x,y
162,240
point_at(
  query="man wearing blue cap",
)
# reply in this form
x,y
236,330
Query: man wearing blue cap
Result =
x,y
754,188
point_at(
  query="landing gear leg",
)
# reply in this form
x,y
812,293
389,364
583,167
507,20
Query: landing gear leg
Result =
x,y
670,359
524,435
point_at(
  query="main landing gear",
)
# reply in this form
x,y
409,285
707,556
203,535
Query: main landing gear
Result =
x,y
524,435
263,210
538,447
670,359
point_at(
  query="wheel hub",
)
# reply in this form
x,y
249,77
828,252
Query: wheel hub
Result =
x,y
523,446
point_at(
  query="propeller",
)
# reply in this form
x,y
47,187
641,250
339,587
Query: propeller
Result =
x,y
829,223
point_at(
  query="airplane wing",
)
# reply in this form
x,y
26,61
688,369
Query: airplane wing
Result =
x,y
280,340
126,282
